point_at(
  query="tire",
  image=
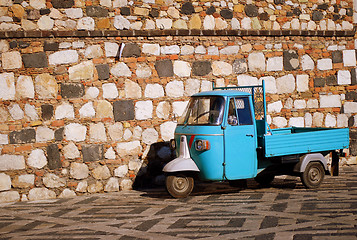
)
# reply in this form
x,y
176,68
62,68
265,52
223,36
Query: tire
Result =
x,y
313,175
264,181
179,186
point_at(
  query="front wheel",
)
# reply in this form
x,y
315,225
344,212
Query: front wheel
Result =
x,y
313,175
179,186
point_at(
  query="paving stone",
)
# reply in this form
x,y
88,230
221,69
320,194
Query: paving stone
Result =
x,y
92,152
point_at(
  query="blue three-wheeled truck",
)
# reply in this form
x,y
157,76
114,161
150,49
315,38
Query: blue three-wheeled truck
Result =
x,y
223,135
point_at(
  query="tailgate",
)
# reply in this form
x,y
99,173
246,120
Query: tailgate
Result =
x,y
293,140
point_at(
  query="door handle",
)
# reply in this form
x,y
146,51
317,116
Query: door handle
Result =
x,y
249,135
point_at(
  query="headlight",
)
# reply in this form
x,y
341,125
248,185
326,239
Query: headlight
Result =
x,y
202,145
173,144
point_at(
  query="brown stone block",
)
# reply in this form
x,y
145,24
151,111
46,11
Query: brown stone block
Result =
x,y
23,148
8,149
57,123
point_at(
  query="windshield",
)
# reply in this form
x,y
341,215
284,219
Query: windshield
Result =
x,y
203,111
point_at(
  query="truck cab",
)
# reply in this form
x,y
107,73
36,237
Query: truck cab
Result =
x,y
223,136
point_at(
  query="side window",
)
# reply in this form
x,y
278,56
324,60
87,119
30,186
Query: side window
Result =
x,y
243,110
232,113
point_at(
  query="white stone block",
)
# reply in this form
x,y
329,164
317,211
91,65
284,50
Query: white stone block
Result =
x,y
317,119
206,86
324,64
150,136
7,86
209,22
312,103
67,193
110,91
179,107
200,50
111,49
82,71
143,70
129,148
246,23
87,23
230,50
4,139
302,83
296,122
9,196
74,13
24,181
187,50
220,68
275,64
256,62
167,130
137,133
342,121
15,111
51,180
182,68
112,185
63,57
212,50
154,91
350,107
91,93
289,103
121,171
120,3
307,63
143,110
349,58
46,86
120,70
25,87
87,110
41,194
71,151
97,132
235,24
11,162
330,101
45,23
37,159
246,80
94,51
151,49
308,120
11,60
65,110
75,132
163,23
5,182
330,120
110,153
172,49
163,110
126,184
174,89
299,104
115,131
275,107
44,134
285,84
101,172
192,86
79,170
38,4
343,77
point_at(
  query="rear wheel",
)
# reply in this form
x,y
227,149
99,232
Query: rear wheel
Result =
x,y
179,186
313,175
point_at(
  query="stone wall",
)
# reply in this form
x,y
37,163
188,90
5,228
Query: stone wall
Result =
x,y
86,111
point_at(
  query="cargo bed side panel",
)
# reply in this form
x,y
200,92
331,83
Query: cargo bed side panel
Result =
x,y
304,141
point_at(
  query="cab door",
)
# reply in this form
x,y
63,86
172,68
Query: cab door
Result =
x,y
240,140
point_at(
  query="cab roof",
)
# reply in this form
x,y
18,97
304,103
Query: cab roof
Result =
x,y
223,93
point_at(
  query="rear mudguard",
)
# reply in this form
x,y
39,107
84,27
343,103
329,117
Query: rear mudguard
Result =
x,y
184,162
307,158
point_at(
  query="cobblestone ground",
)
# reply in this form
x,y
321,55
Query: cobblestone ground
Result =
x,y
286,210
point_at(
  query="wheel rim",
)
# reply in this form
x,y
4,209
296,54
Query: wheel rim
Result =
x,y
181,184
315,175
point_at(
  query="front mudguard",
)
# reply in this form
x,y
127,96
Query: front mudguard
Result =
x,y
181,165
